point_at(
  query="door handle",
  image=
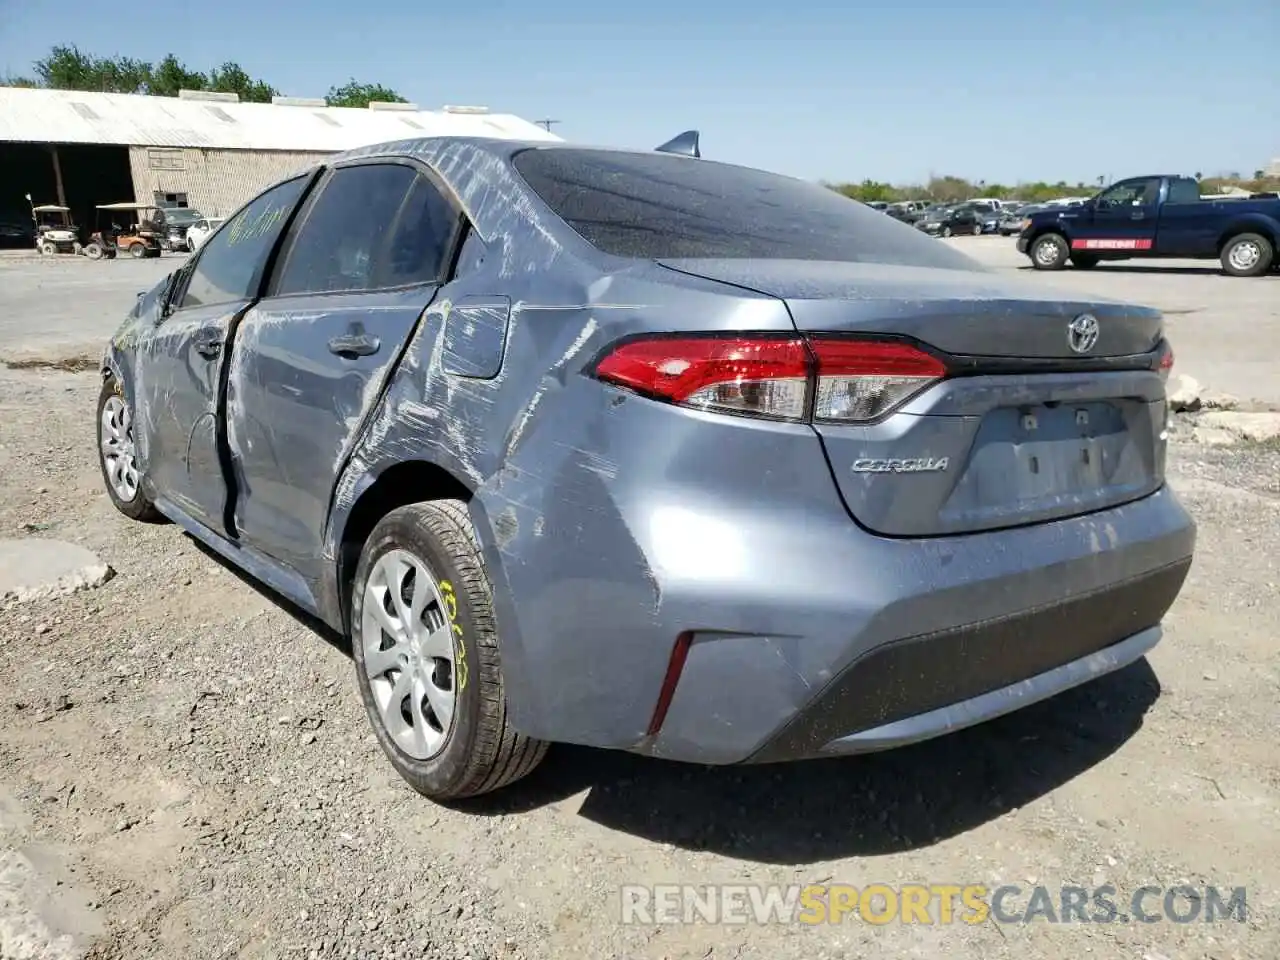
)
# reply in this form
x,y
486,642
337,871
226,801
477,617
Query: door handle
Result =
x,y
355,345
1138,216
209,348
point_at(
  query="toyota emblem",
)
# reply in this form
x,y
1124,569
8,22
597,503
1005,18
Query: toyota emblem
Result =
x,y
1082,333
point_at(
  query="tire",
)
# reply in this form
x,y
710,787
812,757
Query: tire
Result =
x,y
977,229
1082,261
478,750
946,231
1049,251
93,251
48,248
1247,255
137,250
125,497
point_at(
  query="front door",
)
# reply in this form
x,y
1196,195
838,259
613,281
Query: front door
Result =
x,y
311,360
180,366
1122,219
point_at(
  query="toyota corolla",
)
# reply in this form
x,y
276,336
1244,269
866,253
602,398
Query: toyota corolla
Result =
x,y
649,452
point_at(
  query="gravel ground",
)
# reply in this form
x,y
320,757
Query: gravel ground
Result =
x,y
187,766
186,771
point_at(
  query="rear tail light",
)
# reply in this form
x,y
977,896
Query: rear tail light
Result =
x,y
777,378
865,379
1165,366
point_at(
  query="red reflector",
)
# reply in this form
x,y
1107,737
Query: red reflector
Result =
x,y
874,358
1166,361
675,666
675,368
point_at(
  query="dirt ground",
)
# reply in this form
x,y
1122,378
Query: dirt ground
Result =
x,y
186,772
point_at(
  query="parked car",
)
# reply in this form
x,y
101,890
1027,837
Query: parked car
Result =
x,y
908,211
177,222
199,231
17,233
1011,220
1154,217
649,452
948,221
991,220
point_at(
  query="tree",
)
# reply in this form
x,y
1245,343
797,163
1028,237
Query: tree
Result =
x,y
356,94
230,78
10,80
171,75
67,68
950,188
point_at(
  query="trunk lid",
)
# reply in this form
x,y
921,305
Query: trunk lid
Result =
x,y
1030,431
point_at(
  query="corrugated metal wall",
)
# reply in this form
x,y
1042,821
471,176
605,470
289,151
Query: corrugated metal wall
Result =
x,y
216,182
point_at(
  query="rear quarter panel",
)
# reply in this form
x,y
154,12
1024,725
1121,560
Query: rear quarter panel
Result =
x,y
1199,229
533,445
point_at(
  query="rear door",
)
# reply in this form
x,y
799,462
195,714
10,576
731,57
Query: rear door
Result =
x,y
311,359
1121,220
1189,226
179,372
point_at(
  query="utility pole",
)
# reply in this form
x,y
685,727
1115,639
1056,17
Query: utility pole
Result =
x,y
546,124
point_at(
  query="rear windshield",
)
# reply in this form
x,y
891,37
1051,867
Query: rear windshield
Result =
x,y
661,206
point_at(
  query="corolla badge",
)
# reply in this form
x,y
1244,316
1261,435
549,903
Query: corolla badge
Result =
x,y
1082,333
916,465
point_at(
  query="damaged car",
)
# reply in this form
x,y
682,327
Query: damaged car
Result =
x,y
648,452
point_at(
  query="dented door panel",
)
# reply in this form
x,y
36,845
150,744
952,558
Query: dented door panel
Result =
x,y
306,371
177,372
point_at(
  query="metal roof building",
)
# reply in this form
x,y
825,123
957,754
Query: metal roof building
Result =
x,y
207,151
69,116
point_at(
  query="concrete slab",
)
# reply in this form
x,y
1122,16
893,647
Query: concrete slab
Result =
x,y
1257,427
44,913
34,568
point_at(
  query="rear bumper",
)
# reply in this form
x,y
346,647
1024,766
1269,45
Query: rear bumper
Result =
x,y
806,635
920,687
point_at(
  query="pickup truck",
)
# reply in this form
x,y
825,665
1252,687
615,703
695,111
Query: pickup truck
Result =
x,y
1156,216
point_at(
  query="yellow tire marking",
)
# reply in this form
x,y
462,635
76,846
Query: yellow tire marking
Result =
x,y
461,670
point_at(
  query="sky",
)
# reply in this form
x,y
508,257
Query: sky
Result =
x,y
994,90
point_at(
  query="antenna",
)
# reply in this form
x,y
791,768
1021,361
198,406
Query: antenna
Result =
x,y
546,124
686,144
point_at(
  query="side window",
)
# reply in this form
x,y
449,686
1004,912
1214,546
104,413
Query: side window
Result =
x,y
1131,193
230,264
350,237
1184,191
422,237
471,256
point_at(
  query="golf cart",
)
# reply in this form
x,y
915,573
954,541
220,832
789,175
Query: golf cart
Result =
x,y
55,232
139,239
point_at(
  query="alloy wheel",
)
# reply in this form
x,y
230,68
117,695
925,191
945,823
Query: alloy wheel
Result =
x,y
406,632
119,455
1245,255
1047,252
